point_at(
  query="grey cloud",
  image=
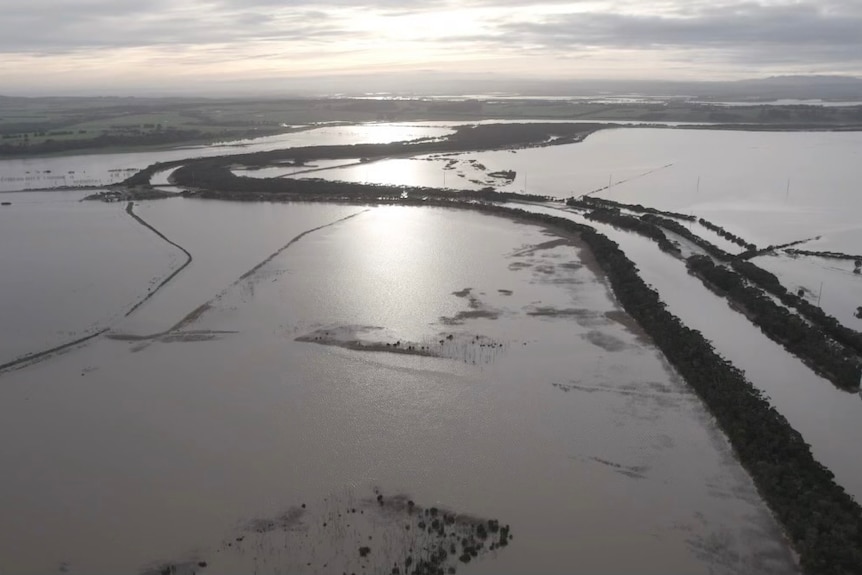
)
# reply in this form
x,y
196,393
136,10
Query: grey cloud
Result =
x,y
801,31
745,32
105,25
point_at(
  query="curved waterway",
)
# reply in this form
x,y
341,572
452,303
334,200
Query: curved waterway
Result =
x,y
830,420
465,361
100,169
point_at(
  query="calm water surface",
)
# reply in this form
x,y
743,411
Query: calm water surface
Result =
x,y
541,410
828,418
103,169
736,179
571,428
70,268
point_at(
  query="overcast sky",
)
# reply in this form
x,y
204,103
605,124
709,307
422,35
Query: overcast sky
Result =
x,y
115,45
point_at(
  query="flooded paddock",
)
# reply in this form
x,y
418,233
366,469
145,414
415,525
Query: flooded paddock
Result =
x,y
541,407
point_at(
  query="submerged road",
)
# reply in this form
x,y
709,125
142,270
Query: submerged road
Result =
x,y
44,354
130,210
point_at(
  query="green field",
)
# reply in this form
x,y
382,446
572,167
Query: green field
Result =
x,y
35,126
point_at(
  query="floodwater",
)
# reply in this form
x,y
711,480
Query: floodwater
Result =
x,y
226,239
830,283
465,361
829,419
768,187
533,401
70,268
104,169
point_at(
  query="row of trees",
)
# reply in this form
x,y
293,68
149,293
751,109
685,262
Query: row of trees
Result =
x,y
833,335
667,220
129,137
830,255
51,146
843,335
828,347
823,522
754,252
806,341
615,218
726,234
591,203
216,180
681,230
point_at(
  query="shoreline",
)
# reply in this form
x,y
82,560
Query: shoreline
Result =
x,y
746,419
799,491
620,122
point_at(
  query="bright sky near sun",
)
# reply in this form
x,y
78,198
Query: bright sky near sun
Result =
x,y
70,44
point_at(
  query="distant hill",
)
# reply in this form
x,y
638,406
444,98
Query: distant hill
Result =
x,y
799,87
437,83
834,88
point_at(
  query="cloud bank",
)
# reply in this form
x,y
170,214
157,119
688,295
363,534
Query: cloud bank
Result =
x,y
127,43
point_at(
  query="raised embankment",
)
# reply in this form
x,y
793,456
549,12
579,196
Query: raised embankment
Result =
x,y
130,210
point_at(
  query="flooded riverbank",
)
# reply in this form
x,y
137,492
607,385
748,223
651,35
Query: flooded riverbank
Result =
x,y
110,168
71,269
574,431
769,188
826,417
322,355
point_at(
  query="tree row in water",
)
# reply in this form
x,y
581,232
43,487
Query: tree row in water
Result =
x,y
686,233
822,521
617,219
590,202
826,346
813,313
806,341
726,234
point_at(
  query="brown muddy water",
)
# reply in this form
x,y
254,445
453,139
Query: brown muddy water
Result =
x,y
462,362
828,418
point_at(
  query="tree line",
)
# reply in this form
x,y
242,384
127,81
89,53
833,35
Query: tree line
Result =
x,y
825,345
822,521
806,341
815,314
726,234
